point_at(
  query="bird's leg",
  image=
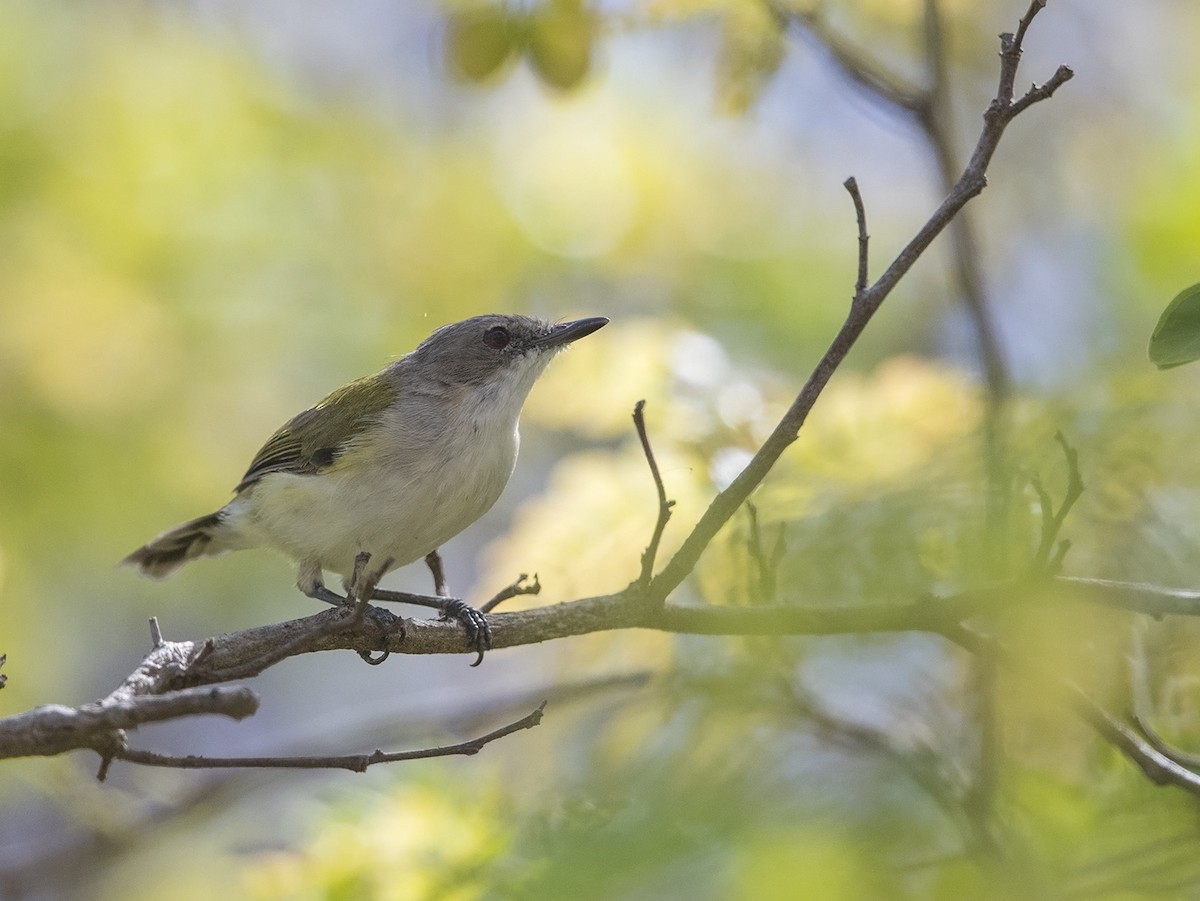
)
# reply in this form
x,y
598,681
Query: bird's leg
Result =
x,y
312,584
359,589
350,585
434,561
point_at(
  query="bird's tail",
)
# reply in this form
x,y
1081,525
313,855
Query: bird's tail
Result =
x,y
198,537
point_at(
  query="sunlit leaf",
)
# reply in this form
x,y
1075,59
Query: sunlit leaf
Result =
x,y
1176,338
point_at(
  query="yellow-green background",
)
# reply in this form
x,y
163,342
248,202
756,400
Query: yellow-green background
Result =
x,y
211,213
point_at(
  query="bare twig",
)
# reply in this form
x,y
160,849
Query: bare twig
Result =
x,y
929,108
519,587
357,763
860,214
664,505
971,183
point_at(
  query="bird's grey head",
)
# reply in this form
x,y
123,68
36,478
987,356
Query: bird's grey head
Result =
x,y
496,350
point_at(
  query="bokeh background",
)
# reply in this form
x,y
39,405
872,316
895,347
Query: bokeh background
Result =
x,y
213,212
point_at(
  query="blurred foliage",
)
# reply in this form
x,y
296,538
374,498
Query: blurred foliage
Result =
x,y
206,228
556,37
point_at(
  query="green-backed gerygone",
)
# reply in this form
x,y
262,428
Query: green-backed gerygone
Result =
x,y
388,467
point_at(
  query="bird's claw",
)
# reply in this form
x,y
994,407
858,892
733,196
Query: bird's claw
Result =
x,y
479,632
387,623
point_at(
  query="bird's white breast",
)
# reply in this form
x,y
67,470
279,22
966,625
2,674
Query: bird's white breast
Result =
x,y
409,486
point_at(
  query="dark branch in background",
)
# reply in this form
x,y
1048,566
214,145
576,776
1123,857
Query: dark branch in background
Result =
x,y
3,678
1052,520
766,566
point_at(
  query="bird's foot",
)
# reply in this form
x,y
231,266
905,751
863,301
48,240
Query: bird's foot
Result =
x,y
360,588
479,633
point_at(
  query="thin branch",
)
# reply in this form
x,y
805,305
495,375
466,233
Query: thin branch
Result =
x,y
517,588
357,763
929,108
972,181
664,505
860,214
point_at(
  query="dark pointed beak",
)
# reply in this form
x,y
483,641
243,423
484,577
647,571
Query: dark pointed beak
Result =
x,y
566,332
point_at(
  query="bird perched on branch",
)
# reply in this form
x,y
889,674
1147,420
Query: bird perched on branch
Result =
x,y
385,469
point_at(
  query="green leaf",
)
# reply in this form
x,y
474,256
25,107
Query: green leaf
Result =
x,y
1176,338
481,41
560,43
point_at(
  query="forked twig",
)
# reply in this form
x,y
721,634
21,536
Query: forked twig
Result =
x,y
519,587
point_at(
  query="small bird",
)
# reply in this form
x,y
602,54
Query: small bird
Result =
x,y
386,468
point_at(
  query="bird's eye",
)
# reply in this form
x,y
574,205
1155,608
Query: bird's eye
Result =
x,y
496,337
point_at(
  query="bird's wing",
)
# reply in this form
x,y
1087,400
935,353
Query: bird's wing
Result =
x,y
311,441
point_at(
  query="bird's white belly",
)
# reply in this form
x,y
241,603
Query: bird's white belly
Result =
x,y
401,513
